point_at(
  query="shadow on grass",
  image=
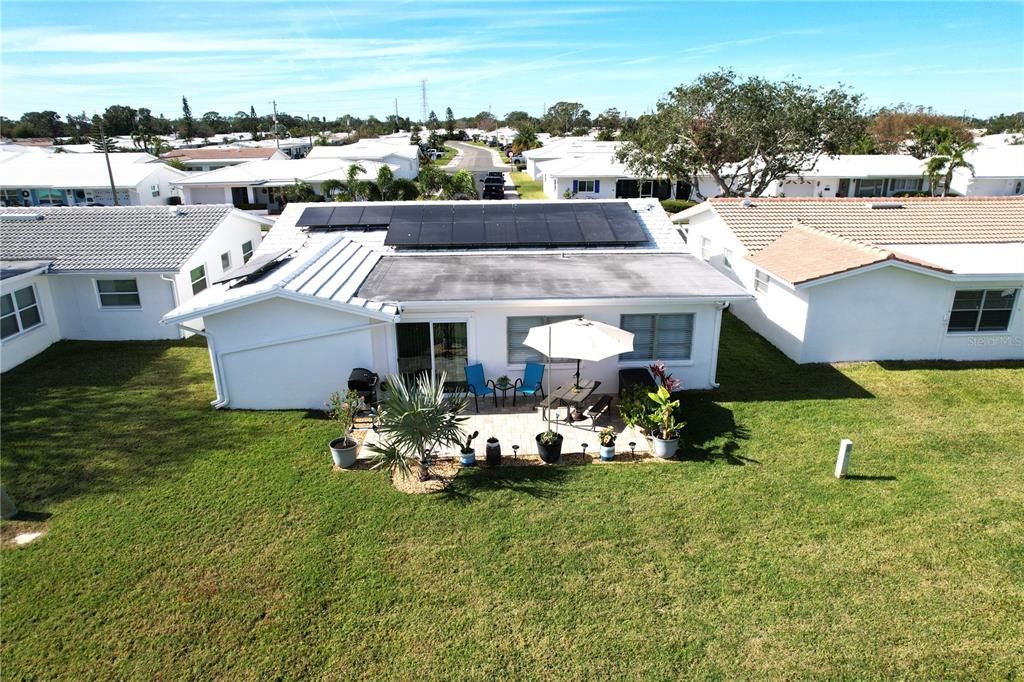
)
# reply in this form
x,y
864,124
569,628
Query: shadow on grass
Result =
x,y
857,477
541,482
94,418
711,433
751,369
907,365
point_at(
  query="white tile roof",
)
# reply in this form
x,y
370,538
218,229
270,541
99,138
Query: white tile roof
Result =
x,y
124,238
328,273
373,149
77,171
866,166
271,172
600,165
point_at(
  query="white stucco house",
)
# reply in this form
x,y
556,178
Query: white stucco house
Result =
x,y
870,279
998,172
393,288
211,158
34,179
110,274
856,175
258,184
396,152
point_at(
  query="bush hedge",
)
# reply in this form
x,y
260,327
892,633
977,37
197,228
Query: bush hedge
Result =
x,y
676,205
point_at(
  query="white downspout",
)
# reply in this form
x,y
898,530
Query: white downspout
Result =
x,y
174,291
713,374
219,385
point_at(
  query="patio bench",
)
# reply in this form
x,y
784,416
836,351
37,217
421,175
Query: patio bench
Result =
x,y
602,408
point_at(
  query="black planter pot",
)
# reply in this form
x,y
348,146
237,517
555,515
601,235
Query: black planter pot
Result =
x,y
493,453
550,454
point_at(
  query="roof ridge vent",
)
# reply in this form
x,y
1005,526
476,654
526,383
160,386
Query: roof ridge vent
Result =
x,y
177,210
885,205
21,216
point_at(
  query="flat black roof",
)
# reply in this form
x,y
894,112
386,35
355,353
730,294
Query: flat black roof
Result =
x,y
484,277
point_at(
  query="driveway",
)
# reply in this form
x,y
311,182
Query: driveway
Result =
x,y
479,161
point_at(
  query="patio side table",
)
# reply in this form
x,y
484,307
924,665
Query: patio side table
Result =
x,y
504,392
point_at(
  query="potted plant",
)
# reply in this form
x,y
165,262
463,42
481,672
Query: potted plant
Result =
x,y
468,456
549,446
607,438
665,431
503,381
344,411
493,452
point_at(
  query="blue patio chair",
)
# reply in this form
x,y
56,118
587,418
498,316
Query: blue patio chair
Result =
x,y
478,386
531,383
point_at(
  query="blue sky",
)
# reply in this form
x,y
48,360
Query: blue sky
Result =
x,y
327,58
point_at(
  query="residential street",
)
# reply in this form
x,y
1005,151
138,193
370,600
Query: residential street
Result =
x,y
478,161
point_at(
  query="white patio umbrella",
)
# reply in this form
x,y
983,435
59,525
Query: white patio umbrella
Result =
x,y
581,339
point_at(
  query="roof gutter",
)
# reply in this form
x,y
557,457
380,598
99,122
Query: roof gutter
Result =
x,y
713,370
551,302
219,384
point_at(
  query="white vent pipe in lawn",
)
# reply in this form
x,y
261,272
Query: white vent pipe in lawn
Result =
x,y
843,460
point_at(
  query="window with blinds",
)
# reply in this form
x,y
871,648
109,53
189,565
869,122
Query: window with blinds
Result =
x,y
519,327
659,337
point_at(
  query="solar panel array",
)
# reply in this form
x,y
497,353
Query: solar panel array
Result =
x,y
511,225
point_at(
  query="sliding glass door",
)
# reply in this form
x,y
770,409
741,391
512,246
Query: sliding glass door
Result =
x,y
432,347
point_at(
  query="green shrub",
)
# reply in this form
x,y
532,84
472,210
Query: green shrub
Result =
x,y
676,205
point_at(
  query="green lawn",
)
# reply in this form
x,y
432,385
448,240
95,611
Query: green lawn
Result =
x,y
528,187
449,154
186,543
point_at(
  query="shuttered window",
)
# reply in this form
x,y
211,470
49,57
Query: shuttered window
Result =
x,y
519,327
982,310
659,337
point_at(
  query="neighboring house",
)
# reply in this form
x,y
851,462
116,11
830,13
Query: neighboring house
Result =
x,y
861,279
857,175
33,179
258,185
110,274
391,287
997,172
212,158
404,158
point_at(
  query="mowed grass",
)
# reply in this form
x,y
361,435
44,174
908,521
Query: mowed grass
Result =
x,y
528,187
186,543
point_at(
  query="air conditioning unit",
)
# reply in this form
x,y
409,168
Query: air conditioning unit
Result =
x,y
155,189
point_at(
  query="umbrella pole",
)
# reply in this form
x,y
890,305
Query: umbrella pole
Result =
x,y
548,411
577,374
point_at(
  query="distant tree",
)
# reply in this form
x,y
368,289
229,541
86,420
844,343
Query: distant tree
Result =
x,y
176,163
948,153
745,134
161,126
389,188
525,139
608,120
486,122
432,122
563,117
925,139
42,124
1004,123
143,135
460,186
254,123
414,138
119,119
77,127
299,191
349,189
216,122
431,180
449,121
892,127
516,119
99,139
187,127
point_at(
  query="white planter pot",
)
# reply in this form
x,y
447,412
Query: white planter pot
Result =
x,y
665,449
607,453
343,456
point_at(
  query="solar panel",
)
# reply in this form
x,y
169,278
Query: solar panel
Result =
x,y
347,216
319,216
254,267
509,225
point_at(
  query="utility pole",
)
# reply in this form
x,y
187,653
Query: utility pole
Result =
x,y
277,138
309,130
396,115
423,97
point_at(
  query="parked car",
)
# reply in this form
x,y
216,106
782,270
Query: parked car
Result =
x,y
494,188
518,158
495,174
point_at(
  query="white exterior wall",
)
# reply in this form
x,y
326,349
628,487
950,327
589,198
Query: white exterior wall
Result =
x,y
227,238
162,176
298,374
987,187
555,187
895,314
207,195
78,308
16,349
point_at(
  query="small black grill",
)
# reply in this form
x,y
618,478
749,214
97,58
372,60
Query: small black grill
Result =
x,y
364,382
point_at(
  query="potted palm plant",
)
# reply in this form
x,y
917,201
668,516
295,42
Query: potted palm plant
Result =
x,y
607,438
468,454
344,410
665,428
413,421
549,446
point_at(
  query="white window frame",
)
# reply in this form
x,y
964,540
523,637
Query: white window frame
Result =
x,y
226,256
580,189
202,278
100,294
17,310
247,254
982,309
544,319
705,248
623,360
762,280
726,258
900,185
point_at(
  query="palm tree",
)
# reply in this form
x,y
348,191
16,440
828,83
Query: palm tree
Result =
x,y
525,140
349,189
389,188
413,421
950,155
298,192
